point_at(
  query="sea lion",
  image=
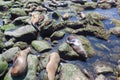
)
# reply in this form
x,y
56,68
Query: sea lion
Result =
x,y
52,65
20,62
77,46
82,15
36,19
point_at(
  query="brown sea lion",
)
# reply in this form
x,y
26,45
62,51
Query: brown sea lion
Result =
x,y
77,46
20,62
52,65
36,19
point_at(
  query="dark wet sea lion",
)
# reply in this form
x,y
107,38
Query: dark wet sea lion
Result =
x,y
20,62
52,65
77,46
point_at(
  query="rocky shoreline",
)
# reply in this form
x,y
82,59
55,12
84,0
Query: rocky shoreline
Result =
x,y
43,25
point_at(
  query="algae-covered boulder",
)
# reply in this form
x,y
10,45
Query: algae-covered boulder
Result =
x,y
3,66
7,27
30,73
57,35
9,54
21,45
102,67
41,45
104,5
1,41
24,33
16,12
4,5
115,31
71,72
90,5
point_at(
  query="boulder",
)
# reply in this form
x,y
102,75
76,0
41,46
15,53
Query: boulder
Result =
x,y
41,45
102,67
3,65
24,33
90,5
7,27
71,72
9,54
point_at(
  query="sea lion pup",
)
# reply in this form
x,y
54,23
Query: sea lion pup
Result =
x,y
77,46
20,62
52,65
35,19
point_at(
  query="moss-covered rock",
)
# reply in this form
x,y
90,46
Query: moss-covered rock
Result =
x,y
104,5
4,5
3,66
90,5
41,45
10,54
7,27
71,72
57,35
21,45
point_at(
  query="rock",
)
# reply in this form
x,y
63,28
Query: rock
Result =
x,y
24,33
10,53
43,75
67,52
79,1
44,59
115,31
3,66
57,35
90,5
118,6
1,41
9,43
102,67
4,5
104,5
116,22
31,72
41,45
118,67
32,67
21,45
21,20
101,77
17,12
71,72
7,27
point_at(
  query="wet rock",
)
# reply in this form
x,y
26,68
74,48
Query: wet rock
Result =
x,y
57,35
9,54
104,5
44,58
1,41
118,67
21,20
24,33
118,6
4,5
9,43
41,45
79,1
102,67
43,75
101,77
32,67
21,45
7,27
55,15
116,22
90,5
94,31
71,72
30,73
17,12
67,52
3,66
115,31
